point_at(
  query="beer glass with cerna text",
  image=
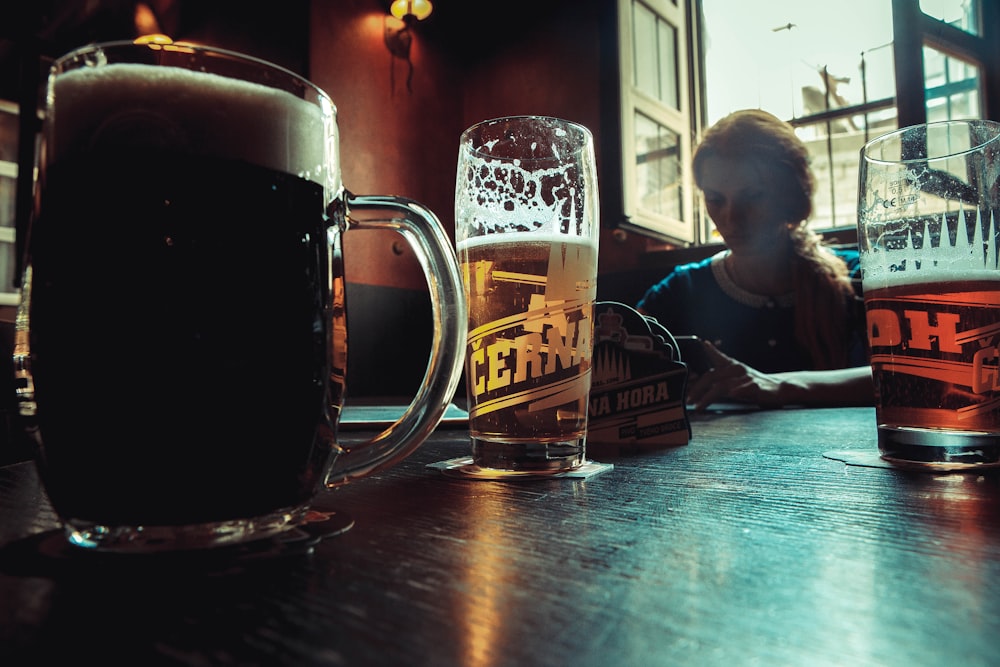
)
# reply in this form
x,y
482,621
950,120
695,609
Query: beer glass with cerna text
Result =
x,y
929,198
181,342
526,228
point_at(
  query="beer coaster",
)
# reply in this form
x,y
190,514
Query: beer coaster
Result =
x,y
874,460
463,468
858,458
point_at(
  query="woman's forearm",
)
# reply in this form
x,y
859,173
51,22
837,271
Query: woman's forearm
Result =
x,y
841,387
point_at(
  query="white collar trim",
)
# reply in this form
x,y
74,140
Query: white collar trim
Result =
x,y
739,294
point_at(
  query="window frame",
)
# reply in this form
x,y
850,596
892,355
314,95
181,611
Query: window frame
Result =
x,y
8,235
913,30
679,121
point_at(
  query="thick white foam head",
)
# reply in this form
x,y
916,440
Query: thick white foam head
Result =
x,y
516,238
931,276
148,107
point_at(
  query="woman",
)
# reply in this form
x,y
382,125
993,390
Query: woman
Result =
x,y
782,320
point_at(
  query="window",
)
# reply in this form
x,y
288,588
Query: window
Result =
x,y
961,14
952,86
8,201
813,64
841,73
656,118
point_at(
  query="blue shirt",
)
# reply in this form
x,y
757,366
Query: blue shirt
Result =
x,y
700,299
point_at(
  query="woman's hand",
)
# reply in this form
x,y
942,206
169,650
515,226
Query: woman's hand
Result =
x,y
732,380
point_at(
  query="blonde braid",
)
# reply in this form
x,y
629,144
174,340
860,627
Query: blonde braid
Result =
x,y
823,294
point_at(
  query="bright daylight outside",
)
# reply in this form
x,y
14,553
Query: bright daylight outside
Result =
x,y
797,58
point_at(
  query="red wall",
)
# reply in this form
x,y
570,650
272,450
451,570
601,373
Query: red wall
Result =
x,y
393,141
539,57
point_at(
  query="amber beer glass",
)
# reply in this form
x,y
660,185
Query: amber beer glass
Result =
x,y
181,340
929,197
526,221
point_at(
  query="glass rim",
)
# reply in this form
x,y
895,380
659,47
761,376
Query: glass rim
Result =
x,y
896,134
586,137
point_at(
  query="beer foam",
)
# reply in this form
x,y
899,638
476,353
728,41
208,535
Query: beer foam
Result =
x,y
965,259
148,107
512,238
879,278
497,196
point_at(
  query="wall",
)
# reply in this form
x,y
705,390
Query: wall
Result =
x,y
393,141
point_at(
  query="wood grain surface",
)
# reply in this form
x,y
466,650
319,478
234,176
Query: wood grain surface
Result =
x,y
745,547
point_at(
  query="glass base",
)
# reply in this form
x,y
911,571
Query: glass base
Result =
x,y
154,539
937,449
532,456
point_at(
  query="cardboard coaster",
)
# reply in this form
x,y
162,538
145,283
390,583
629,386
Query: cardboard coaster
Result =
x,y
874,460
638,384
858,458
463,468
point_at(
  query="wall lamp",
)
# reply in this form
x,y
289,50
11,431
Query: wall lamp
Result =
x,y
398,37
410,10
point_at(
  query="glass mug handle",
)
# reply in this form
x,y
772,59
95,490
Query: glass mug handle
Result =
x,y
423,231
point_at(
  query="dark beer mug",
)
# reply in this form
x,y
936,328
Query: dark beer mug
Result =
x,y
182,336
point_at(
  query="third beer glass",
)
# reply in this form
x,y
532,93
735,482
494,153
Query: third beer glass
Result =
x,y
526,220
928,201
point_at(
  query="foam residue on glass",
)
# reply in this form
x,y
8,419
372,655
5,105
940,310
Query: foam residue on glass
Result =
x,y
538,195
894,256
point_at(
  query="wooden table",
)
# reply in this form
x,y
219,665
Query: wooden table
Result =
x,y
745,547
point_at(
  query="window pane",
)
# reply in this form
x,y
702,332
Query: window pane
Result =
x,y
655,56
8,193
962,14
8,132
834,161
772,54
877,74
644,50
8,197
952,86
668,65
658,168
7,268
